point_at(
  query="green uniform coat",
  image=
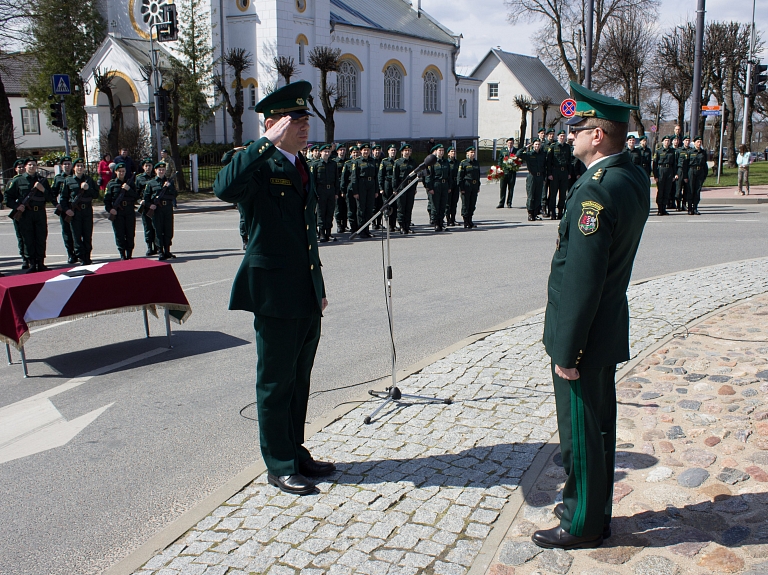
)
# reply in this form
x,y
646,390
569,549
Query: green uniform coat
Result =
x,y
326,184
162,220
468,179
664,167
82,221
536,162
33,225
697,173
403,169
66,230
124,224
559,160
364,185
439,179
141,182
386,184
341,201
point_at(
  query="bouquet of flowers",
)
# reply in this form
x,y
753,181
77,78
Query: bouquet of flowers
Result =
x,y
511,164
495,173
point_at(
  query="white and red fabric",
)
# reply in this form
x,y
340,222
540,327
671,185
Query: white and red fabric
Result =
x,y
45,297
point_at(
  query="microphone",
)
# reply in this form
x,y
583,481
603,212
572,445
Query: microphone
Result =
x,y
430,160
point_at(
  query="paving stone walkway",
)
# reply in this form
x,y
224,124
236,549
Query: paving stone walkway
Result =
x,y
420,489
691,491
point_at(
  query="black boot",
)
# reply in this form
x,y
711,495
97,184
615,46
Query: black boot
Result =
x,y
121,251
32,267
531,217
71,258
129,254
163,255
168,251
41,267
25,264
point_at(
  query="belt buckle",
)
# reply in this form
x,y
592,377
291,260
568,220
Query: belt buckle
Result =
x,y
82,206
35,208
474,181
125,203
164,202
369,179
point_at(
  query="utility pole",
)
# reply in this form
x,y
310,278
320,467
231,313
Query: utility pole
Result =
x,y
588,63
748,88
167,31
696,95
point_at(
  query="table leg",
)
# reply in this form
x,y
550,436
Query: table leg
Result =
x,y
8,353
24,362
168,327
146,322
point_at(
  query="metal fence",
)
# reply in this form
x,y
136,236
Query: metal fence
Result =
x,y
208,165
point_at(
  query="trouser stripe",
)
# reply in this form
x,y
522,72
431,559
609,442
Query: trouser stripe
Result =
x,y
579,458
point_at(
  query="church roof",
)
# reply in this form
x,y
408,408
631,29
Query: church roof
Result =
x,y
531,73
17,69
138,49
391,16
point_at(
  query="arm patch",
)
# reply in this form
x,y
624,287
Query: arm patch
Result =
x,y
589,221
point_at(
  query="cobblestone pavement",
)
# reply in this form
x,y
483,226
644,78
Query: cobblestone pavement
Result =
x,y
691,491
420,489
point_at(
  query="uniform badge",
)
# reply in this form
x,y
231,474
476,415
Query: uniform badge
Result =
x,y
589,220
300,101
280,181
598,174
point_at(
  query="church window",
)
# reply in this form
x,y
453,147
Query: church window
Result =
x,y
493,91
301,52
252,95
347,84
431,92
393,82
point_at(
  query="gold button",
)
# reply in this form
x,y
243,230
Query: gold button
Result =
x,y
307,227
310,248
282,193
312,266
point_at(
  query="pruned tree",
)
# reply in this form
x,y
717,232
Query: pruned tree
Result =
x,y
239,60
674,70
545,104
104,82
553,122
285,66
327,60
525,105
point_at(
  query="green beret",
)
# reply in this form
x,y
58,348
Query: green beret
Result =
x,y
510,138
542,130
405,147
697,139
147,161
248,143
29,159
18,163
667,137
324,147
78,161
119,165
64,159
354,149
436,147
561,132
376,147
290,100
551,131
629,137
365,145
535,141
392,147
161,165
687,137
590,104
643,138
450,149
470,149
341,145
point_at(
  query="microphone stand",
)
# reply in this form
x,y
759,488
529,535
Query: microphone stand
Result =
x,y
393,393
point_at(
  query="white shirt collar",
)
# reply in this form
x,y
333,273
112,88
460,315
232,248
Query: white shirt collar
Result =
x,y
288,155
589,167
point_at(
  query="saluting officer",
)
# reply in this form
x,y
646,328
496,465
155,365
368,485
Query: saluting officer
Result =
x,y
535,159
468,179
508,179
18,167
76,200
646,153
280,281
346,187
453,193
438,184
559,174
404,165
664,166
158,199
140,183
27,195
341,201
586,326
683,192
386,183
364,185
120,201
66,230
697,173
327,188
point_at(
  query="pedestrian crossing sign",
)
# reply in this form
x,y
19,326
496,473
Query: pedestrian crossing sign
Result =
x,y
61,85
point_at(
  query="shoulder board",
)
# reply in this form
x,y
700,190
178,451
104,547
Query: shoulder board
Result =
x,y
598,175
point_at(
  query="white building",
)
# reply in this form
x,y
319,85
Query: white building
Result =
x,y
505,76
397,75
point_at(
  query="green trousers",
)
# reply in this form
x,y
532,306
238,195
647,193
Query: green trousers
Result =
x,y
124,226
665,187
66,235
149,230
366,196
285,351
163,224
439,203
326,203
586,421
82,232
19,239
33,227
468,202
534,186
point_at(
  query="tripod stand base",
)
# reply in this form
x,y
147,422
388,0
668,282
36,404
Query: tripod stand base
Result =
x,y
394,394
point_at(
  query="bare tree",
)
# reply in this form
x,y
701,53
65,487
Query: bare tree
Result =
x,y
674,71
545,104
239,60
326,60
104,82
525,105
285,66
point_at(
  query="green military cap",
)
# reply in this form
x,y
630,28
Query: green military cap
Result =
x,y
341,145
365,145
376,147
405,147
470,149
147,161
542,130
687,137
29,159
324,147
643,138
248,143
161,165
590,104
78,161
64,159
290,100
392,147
354,149
435,147
18,163
119,165
551,131
667,137
697,139
450,149
561,132
630,137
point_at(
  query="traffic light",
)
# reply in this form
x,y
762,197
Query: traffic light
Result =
x,y
169,32
162,107
759,78
57,118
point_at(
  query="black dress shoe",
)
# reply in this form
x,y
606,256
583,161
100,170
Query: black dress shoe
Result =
x,y
314,468
559,538
560,508
295,484
499,206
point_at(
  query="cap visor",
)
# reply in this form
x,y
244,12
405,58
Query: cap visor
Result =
x,y
299,114
574,120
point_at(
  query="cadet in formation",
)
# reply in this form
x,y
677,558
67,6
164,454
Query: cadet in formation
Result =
x,y
453,194
120,202
326,181
647,155
364,188
378,200
535,159
664,167
386,183
683,193
341,202
58,185
18,167
346,186
404,166
438,184
635,153
76,199
158,201
469,184
141,182
697,173
559,160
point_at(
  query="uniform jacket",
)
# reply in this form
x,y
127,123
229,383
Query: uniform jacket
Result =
x,y
155,186
114,189
635,155
665,159
280,273
363,175
439,176
454,171
682,161
20,187
403,169
72,188
324,178
587,318
345,181
59,180
339,169
386,173
502,152
697,163
647,155
559,159
536,162
468,177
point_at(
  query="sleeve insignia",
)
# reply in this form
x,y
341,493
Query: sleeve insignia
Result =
x,y
589,221
280,181
598,174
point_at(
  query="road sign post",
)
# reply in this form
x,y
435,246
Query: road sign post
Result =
x,y
61,85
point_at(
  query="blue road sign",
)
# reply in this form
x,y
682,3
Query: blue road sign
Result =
x,y
61,85
710,112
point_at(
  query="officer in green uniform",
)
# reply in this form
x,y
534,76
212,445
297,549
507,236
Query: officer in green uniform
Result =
x,y
66,230
386,182
545,191
438,184
559,174
697,173
18,167
327,187
141,182
453,193
158,199
341,201
76,200
586,325
364,187
27,195
346,187
379,199
646,154
535,159
120,201
280,281
635,154
404,165
468,179
507,181
683,192
664,166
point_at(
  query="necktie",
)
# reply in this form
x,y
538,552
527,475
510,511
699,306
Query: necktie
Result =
x,y
303,174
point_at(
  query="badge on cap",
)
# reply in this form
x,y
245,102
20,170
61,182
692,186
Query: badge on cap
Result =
x,y
589,220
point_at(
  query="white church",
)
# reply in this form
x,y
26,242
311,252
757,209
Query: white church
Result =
x,y
397,77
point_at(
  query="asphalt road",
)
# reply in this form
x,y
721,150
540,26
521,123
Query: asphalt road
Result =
x,y
172,430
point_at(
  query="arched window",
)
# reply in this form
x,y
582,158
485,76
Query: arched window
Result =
x,y
431,92
302,41
393,82
347,83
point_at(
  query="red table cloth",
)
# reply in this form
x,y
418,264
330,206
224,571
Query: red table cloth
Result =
x,y
46,297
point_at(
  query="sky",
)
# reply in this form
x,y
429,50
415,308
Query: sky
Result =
x,y
484,25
